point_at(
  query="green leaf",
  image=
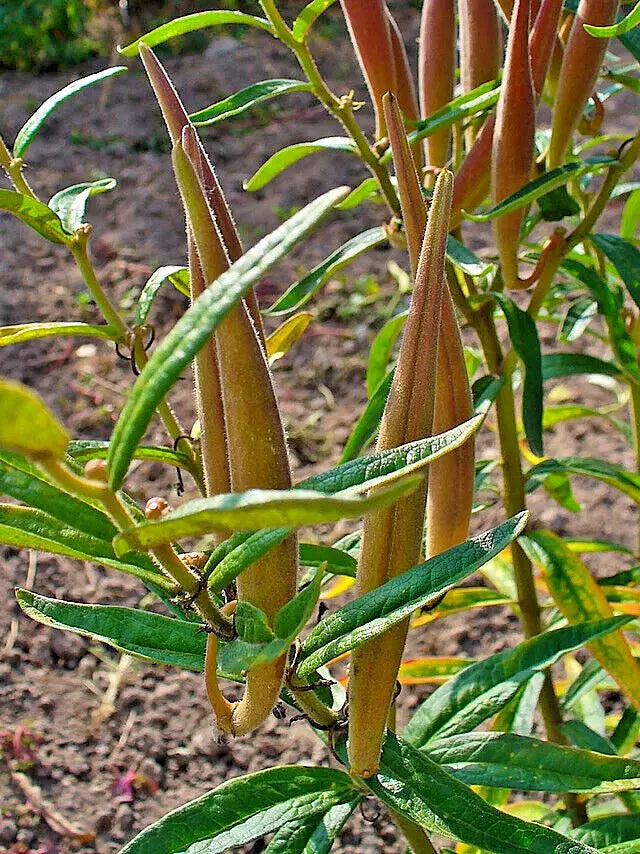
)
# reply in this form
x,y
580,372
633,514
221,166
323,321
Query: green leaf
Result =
x,y
258,508
558,365
194,328
286,157
28,331
414,785
312,835
579,597
28,528
70,204
524,337
335,560
557,204
369,189
542,185
609,473
367,425
34,214
484,688
304,289
518,715
625,258
21,480
244,808
590,675
27,425
375,612
468,104
84,450
144,634
381,349
245,99
190,23
179,278
628,23
33,124
256,645
630,216
577,319
615,834
466,260
432,669
307,18
530,765
241,550
584,737
553,415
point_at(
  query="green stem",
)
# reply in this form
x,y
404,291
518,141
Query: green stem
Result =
x,y
310,704
13,167
80,253
635,426
341,108
418,840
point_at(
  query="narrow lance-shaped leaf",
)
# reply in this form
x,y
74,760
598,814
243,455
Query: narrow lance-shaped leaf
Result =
x,y
579,597
258,508
179,278
33,124
374,612
626,259
37,216
412,784
285,336
307,17
392,538
27,425
619,834
29,331
367,424
245,808
380,351
192,331
286,157
484,688
191,23
614,475
304,289
245,99
524,337
70,204
520,762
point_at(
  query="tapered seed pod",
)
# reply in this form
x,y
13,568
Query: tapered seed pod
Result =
x,y
437,72
404,86
368,26
480,42
513,139
176,118
543,41
255,443
451,478
581,64
391,539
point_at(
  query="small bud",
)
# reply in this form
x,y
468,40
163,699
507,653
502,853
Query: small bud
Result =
x,y
96,470
156,508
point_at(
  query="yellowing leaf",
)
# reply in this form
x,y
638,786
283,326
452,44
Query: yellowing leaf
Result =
x,y
27,425
285,336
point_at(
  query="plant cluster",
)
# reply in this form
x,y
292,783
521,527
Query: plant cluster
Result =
x,y
443,157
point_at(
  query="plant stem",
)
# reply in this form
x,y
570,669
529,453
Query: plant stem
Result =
x,y
80,253
310,704
418,840
341,108
13,167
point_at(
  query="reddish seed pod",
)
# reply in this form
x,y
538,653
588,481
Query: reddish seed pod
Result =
x,y
581,65
436,72
404,87
513,139
368,24
480,42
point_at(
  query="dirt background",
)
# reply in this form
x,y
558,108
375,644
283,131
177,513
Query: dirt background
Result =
x,y
94,719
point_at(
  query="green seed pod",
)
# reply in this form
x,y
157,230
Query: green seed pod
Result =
x,y
581,65
392,538
368,24
255,441
437,72
513,139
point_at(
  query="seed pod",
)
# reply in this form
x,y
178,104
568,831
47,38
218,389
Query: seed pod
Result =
x,y
392,538
544,41
581,65
404,87
451,478
480,46
473,179
176,118
368,26
437,72
513,139
255,442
